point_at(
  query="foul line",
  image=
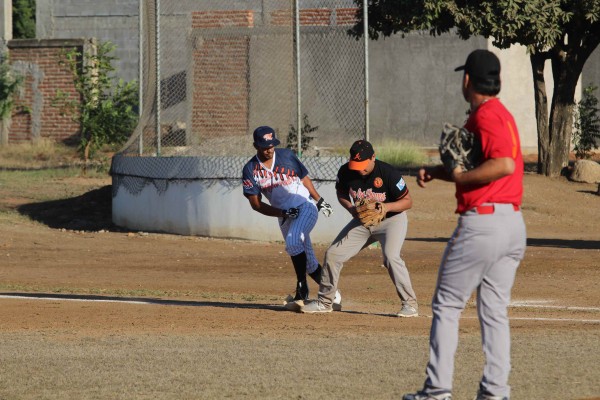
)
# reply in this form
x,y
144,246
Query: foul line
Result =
x,y
105,299
588,321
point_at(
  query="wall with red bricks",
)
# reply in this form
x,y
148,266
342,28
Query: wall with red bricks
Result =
x,y
221,70
34,117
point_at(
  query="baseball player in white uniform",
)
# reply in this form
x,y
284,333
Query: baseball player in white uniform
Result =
x,y
280,176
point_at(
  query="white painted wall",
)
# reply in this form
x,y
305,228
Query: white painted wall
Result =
x,y
214,208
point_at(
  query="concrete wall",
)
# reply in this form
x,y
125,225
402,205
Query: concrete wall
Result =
x,y
413,88
106,20
206,207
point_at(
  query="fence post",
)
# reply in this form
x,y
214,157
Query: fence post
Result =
x,y
6,23
158,93
366,39
298,89
140,72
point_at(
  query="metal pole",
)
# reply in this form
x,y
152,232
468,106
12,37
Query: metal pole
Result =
x,y
140,72
298,89
366,39
158,105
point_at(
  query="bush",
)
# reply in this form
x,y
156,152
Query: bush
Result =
x,y
586,124
9,85
106,107
292,137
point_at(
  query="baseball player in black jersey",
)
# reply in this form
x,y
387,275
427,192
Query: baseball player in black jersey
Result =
x,y
365,177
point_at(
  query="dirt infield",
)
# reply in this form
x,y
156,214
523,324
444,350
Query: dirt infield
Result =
x,y
90,311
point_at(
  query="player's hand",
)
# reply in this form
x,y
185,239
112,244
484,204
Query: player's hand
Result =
x,y
324,207
423,176
291,213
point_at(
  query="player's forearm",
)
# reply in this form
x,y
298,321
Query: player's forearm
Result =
x,y
399,205
491,170
311,188
264,208
269,210
347,204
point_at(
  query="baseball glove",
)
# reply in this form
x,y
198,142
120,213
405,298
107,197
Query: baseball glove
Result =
x,y
370,212
459,147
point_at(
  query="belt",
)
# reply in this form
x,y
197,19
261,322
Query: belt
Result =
x,y
489,209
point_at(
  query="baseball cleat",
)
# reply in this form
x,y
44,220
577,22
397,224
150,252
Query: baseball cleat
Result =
x,y
428,396
301,291
408,311
316,307
337,301
294,305
484,395
287,299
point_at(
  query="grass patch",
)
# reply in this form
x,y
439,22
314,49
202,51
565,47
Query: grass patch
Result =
x,y
47,154
42,154
395,152
400,154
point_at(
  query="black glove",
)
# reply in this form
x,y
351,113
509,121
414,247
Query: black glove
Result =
x,y
291,213
459,148
324,207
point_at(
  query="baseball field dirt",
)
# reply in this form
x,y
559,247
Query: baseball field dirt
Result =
x,y
92,311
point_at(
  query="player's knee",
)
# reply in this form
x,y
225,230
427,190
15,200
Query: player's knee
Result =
x,y
294,248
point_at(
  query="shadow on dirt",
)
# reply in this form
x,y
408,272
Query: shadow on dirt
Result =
x,y
92,211
140,300
163,302
536,242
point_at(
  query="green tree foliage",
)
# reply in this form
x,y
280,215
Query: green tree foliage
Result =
x,y
24,19
9,84
105,107
587,124
565,32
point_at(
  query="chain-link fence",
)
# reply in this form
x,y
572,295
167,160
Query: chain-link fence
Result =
x,y
212,71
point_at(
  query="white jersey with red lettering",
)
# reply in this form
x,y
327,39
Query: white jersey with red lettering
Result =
x,y
282,186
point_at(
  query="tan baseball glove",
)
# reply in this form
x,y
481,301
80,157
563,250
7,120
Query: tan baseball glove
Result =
x,y
370,212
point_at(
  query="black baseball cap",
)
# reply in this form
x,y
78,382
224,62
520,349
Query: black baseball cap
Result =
x,y
264,136
482,64
360,154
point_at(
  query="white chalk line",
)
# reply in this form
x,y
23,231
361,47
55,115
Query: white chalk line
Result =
x,y
529,304
566,308
95,300
586,321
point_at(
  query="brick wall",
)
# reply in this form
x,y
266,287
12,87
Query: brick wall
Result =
x,y
221,82
34,117
221,75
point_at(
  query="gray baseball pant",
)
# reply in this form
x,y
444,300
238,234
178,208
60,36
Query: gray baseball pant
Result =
x,y
483,253
354,237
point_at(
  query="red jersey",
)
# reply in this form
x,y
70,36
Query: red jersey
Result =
x,y
497,131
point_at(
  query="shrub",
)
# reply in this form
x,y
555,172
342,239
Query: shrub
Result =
x,y
586,124
292,137
106,107
9,85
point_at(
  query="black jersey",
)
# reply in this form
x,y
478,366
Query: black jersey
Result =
x,y
384,184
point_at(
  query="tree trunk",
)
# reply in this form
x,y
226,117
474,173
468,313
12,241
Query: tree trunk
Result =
x,y
4,131
566,71
541,108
